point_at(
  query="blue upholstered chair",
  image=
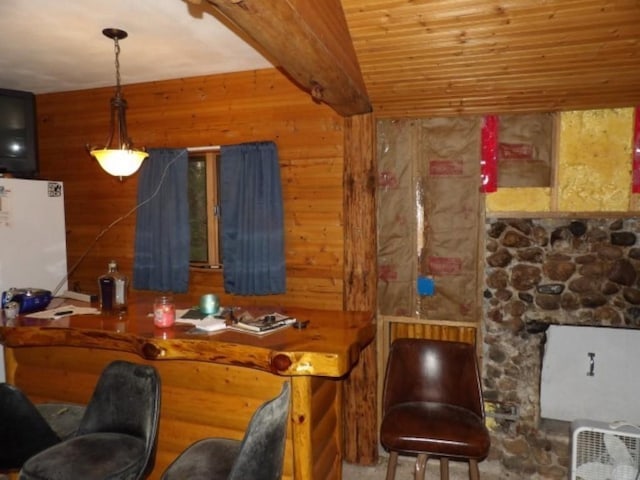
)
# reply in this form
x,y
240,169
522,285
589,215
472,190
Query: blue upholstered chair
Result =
x,y
117,436
258,456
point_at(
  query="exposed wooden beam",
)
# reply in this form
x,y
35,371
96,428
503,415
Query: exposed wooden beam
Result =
x,y
309,41
360,283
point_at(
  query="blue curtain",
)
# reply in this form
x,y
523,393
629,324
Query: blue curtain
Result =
x,y
252,219
162,246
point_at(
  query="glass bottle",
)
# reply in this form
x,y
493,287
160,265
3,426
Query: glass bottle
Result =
x,y
112,289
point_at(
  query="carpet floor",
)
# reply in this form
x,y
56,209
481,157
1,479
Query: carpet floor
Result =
x,y
404,471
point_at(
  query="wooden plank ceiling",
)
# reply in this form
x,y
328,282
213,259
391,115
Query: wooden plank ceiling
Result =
x,y
452,57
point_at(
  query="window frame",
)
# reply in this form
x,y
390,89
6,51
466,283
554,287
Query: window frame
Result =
x,y
212,176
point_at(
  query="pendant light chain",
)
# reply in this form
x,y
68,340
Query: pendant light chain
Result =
x,y
116,47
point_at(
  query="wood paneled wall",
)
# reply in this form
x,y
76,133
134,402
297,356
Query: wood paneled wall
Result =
x,y
210,110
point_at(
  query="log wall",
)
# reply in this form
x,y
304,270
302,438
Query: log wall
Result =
x,y
210,110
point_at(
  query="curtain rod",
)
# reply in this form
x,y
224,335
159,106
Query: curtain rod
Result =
x,y
209,148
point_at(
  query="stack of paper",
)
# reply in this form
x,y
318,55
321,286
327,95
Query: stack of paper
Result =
x,y
205,323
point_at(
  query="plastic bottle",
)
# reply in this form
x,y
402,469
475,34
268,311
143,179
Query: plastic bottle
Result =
x,y
112,288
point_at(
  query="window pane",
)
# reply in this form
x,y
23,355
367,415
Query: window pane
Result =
x,y
218,220
198,208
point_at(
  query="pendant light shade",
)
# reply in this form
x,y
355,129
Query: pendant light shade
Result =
x,y
119,163
118,157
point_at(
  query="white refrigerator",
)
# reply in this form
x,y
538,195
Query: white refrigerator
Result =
x,y
33,247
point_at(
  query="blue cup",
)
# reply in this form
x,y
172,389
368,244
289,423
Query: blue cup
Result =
x,y
209,304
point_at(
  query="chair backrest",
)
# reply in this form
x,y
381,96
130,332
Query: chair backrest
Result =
x,y
262,450
23,430
422,370
126,399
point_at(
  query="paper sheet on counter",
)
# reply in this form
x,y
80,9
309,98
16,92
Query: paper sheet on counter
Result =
x,y
63,311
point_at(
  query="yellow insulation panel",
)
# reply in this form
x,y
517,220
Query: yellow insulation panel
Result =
x,y
519,200
594,169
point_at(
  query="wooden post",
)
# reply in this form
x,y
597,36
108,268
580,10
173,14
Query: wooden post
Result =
x,y
360,284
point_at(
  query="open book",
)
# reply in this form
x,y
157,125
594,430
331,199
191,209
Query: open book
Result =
x,y
262,324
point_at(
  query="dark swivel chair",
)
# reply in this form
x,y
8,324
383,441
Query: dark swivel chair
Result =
x,y
27,428
117,436
23,430
432,405
258,456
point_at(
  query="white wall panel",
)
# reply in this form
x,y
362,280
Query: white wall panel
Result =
x,y
591,373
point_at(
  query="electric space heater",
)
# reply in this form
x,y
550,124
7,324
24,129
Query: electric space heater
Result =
x,y
605,451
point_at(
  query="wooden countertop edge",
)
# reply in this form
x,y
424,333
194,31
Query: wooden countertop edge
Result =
x,y
285,363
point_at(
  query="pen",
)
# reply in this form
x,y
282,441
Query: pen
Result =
x,y
64,312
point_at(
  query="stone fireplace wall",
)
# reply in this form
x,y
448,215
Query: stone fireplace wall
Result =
x,y
540,272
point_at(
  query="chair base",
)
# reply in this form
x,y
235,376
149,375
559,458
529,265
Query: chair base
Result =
x,y
421,467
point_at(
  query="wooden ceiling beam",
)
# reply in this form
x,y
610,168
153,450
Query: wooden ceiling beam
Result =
x,y
309,41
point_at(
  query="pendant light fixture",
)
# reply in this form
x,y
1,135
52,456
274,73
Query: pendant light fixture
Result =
x,y
121,159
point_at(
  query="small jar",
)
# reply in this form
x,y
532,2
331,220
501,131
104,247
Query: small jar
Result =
x,y
164,312
11,310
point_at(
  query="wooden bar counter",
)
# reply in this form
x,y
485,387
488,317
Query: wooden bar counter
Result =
x,y
211,383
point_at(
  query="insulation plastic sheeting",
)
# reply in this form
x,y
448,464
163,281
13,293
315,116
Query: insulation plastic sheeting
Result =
x,y
428,216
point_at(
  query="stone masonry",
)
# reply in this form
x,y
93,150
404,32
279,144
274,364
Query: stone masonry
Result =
x,y
540,272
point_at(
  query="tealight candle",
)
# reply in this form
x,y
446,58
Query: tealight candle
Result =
x,y
209,304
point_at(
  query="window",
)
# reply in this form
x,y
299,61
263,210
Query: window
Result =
x,y
204,209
